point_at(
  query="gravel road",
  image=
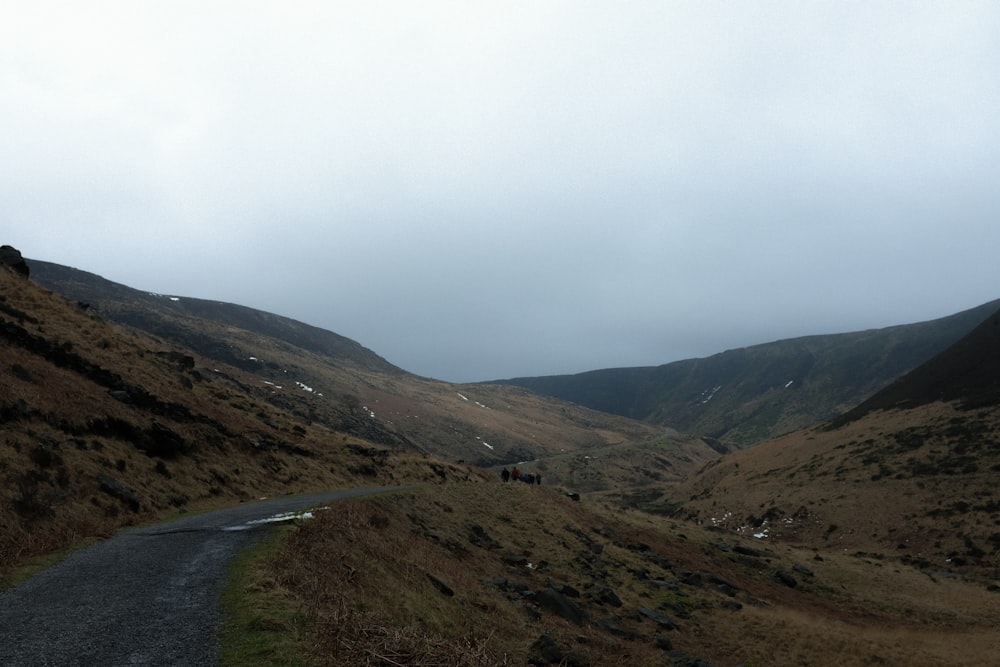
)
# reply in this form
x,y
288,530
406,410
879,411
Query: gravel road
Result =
x,y
148,596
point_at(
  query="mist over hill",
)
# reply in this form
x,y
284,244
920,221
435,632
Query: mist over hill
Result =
x,y
753,393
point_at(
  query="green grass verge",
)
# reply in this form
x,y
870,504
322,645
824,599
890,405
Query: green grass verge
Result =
x,y
261,624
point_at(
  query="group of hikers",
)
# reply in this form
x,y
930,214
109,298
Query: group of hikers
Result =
x,y
517,475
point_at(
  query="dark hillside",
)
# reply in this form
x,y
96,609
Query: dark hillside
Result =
x,y
909,474
182,319
968,371
749,394
323,378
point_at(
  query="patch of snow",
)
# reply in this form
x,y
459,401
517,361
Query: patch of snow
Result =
x,y
486,444
481,405
174,298
461,397
789,384
711,393
304,387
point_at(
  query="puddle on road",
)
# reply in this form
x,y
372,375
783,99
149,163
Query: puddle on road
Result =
x,y
277,518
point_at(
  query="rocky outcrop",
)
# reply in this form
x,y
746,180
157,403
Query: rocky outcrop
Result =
x,y
11,256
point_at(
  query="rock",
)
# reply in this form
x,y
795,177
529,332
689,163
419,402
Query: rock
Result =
x,y
658,618
786,578
604,595
545,651
113,487
564,588
748,551
22,373
802,569
560,605
517,560
11,256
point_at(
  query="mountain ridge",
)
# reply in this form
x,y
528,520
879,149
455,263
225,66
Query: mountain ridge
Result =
x,y
748,394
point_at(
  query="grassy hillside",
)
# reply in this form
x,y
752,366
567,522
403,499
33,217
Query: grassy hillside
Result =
x,y
105,425
326,379
493,574
871,540
909,475
751,394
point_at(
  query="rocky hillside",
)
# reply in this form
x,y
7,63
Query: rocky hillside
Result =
x,y
909,475
750,394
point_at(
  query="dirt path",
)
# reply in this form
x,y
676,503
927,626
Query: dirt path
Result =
x,y
148,596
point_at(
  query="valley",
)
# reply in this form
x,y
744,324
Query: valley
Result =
x,y
866,531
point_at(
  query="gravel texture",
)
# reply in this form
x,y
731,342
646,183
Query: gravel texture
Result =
x,y
148,596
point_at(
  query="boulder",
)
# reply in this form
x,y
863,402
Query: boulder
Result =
x,y
560,605
11,256
113,487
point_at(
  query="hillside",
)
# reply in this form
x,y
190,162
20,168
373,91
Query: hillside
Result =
x,y
750,394
321,377
910,474
105,425
893,560
867,540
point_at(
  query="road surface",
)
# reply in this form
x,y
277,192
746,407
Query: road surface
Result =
x,y
148,596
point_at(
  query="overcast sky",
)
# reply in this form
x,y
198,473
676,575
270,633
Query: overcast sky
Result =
x,y
483,190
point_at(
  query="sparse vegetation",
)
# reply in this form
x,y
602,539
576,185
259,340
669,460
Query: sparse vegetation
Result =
x,y
872,540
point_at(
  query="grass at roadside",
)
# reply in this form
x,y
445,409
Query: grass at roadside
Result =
x,y
262,624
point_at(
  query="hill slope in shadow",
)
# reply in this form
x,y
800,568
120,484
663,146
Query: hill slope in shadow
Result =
x,y
910,474
750,394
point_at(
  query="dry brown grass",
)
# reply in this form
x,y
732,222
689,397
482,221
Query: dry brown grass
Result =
x,y
362,571
65,428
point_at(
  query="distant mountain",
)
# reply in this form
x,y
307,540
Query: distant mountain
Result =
x,y
754,393
911,472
